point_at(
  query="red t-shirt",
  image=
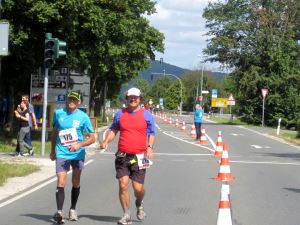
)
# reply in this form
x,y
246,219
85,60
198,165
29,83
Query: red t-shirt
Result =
x,y
133,132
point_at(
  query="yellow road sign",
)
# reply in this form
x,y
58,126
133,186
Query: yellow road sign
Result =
x,y
219,102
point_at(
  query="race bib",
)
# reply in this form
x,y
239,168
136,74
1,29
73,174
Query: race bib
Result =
x,y
143,162
68,137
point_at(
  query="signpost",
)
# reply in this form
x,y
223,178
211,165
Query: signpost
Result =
x,y
231,102
264,93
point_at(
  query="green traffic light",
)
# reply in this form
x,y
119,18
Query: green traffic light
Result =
x,y
59,48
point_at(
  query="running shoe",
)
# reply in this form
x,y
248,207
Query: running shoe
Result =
x,y
73,215
31,152
126,219
18,154
59,217
140,213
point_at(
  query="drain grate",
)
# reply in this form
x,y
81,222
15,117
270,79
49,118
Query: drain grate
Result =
x,y
182,211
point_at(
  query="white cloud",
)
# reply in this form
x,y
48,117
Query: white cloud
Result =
x,y
184,29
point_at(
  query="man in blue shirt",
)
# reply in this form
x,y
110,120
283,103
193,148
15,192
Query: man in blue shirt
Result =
x,y
67,148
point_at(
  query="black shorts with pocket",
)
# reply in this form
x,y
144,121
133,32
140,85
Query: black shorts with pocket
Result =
x,y
126,165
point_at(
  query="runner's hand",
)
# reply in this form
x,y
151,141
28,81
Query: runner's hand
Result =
x,y
103,145
52,156
149,153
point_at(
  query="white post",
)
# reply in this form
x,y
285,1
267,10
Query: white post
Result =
x,y
278,127
45,111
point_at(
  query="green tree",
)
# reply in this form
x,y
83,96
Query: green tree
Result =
x,y
258,39
143,85
192,80
159,88
111,38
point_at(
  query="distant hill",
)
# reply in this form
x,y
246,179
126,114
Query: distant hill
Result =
x,y
156,68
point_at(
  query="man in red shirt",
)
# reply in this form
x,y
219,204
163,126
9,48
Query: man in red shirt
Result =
x,y
135,151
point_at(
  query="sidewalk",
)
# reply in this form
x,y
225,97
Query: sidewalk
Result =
x,y
16,185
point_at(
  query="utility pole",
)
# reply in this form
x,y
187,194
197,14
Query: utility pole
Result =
x,y
104,101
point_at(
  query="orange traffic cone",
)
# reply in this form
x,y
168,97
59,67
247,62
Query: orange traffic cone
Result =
x,y
203,139
166,119
176,123
224,172
170,120
193,131
224,214
219,145
183,128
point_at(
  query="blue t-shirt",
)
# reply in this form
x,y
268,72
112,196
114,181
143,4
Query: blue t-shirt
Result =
x,y
148,118
64,121
198,115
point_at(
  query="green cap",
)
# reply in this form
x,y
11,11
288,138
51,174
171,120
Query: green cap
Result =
x,y
74,94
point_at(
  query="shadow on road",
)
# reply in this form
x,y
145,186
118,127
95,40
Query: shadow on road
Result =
x,y
297,190
295,156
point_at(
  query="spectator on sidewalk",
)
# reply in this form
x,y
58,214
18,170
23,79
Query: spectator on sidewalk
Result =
x,y
67,148
32,123
135,149
22,114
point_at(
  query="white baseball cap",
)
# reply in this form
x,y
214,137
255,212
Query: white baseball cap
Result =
x,y
133,91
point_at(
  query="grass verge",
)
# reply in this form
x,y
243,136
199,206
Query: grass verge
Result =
x,y
15,170
286,135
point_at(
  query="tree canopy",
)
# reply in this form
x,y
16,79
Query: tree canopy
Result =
x,y
112,39
258,40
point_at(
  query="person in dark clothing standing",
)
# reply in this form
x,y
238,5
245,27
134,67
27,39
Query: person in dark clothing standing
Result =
x,y
22,114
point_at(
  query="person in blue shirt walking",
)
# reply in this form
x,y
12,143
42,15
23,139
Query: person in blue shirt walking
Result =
x,y
198,120
67,148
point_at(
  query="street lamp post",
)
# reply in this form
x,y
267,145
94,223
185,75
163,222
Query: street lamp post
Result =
x,y
181,87
201,84
201,81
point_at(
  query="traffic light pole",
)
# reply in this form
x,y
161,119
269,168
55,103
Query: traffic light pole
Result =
x,y
45,111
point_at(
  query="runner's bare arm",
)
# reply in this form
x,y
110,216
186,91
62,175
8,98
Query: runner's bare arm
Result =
x,y
109,137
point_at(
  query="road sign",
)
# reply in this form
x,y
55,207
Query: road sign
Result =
x,y
231,100
219,102
264,92
161,101
214,93
4,31
205,92
61,98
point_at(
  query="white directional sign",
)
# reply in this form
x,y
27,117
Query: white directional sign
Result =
x,y
4,32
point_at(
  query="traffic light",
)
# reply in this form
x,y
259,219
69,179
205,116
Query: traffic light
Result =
x,y
59,48
49,53
161,60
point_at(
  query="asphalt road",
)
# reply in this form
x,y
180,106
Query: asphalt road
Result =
x,y
180,189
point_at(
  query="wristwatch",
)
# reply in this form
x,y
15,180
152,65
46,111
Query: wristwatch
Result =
x,y
150,146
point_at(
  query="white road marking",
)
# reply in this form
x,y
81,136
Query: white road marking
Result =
x,y
271,162
34,189
256,146
233,134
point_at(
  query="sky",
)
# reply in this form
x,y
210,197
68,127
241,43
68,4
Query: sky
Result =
x,y
184,29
